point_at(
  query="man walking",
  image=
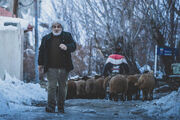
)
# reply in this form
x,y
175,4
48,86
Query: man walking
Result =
x,y
55,57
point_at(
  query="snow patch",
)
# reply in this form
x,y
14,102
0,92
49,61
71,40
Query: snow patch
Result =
x,y
29,52
145,68
167,106
15,93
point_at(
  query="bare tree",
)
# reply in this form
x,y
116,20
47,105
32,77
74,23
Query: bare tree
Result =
x,y
162,23
134,26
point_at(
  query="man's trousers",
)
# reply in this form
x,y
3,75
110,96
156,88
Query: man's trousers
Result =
x,y
57,77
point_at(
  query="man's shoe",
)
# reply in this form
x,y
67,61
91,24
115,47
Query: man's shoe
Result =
x,y
61,109
50,110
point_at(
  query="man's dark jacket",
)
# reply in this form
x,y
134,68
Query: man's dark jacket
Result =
x,y
65,38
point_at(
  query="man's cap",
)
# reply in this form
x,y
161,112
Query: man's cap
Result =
x,y
55,22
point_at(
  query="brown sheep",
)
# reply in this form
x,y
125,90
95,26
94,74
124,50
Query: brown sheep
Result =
x,y
80,88
85,78
106,83
118,84
146,83
97,76
71,92
100,91
106,86
90,88
132,89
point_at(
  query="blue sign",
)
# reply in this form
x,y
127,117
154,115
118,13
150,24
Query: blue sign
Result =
x,y
167,51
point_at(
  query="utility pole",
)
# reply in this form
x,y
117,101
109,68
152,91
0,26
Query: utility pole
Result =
x,y
15,8
36,42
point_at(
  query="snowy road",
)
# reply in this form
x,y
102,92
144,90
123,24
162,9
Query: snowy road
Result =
x,y
19,101
84,109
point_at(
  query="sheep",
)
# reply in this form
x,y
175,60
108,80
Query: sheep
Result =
x,y
106,82
71,92
80,88
90,88
106,86
100,91
132,89
118,84
146,83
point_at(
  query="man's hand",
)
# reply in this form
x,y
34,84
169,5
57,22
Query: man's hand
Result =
x,y
40,68
63,46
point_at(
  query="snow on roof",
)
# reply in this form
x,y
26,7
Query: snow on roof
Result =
x,y
24,24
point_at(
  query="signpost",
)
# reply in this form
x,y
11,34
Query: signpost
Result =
x,y
155,62
166,51
163,51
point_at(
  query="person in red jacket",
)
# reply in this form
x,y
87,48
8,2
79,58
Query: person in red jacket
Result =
x,y
115,64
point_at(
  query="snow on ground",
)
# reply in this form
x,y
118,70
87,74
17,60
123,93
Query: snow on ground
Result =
x,y
15,94
167,106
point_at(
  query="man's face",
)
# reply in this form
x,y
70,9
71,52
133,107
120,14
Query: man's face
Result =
x,y
56,29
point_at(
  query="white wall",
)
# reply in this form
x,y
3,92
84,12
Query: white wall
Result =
x,y
11,51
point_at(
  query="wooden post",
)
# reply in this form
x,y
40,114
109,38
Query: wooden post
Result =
x,y
15,8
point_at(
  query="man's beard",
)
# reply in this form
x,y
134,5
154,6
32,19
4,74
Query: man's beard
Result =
x,y
56,34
